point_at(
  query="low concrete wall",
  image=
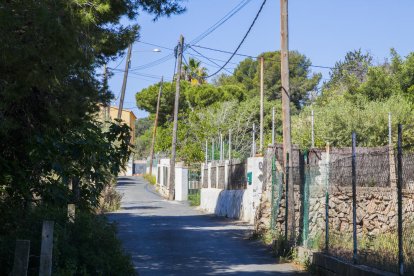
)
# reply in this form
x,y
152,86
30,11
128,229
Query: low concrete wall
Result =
x,y
237,204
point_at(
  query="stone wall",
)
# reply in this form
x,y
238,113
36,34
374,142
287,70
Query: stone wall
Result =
x,y
376,206
376,211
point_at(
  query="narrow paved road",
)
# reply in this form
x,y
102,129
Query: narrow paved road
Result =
x,y
171,238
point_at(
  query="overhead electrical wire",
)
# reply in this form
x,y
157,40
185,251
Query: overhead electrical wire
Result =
x,y
229,15
228,52
242,41
219,66
224,19
254,57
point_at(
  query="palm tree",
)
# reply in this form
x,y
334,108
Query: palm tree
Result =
x,y
193,72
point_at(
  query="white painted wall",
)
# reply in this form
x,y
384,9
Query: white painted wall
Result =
x,y
181,179
237,204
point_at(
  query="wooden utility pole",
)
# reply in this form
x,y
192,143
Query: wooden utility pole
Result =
x,y
261,102
124,83
107,108
174,134
154,132
287,143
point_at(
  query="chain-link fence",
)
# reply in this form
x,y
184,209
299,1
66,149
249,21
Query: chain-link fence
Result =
x,y
407,206
353,203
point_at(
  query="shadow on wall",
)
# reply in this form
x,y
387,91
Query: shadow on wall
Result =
x,y
230,204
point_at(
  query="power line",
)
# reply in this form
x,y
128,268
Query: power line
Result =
x,y
155,45
242,41
224,19
162,60
255,57
197,57
196,40
219,66
223,51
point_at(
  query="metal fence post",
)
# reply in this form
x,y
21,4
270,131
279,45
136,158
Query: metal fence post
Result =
x,y
212,149
206,151
305,233
328,159
272,201
399,202
354,227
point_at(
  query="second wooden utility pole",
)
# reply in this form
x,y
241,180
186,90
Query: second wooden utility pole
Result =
x,y
261,102
154,132
124,83
171,186
107,108
287,143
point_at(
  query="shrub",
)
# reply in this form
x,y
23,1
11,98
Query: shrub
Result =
x,y
150,178
86,247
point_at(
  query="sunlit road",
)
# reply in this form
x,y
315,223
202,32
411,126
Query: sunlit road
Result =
x,y
171,238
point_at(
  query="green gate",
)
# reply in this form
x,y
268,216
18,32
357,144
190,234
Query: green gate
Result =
x,y
194,184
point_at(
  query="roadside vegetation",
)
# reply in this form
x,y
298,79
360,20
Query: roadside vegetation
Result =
x,y
194,198
150,178
55,150
357,97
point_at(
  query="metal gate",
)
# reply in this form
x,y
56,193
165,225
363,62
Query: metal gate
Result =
x,y
194,185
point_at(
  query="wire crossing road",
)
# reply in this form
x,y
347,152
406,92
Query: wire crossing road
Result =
x,y
171,238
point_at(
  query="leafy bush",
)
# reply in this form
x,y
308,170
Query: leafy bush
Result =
x,y
194,199
150,178
86,247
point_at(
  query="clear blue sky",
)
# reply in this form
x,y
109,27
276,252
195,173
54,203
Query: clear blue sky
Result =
x,y
323,30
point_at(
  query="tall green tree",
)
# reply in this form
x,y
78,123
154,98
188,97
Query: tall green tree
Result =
x,y
302,81
50,92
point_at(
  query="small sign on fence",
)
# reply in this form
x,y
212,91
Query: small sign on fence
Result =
x,y
249,178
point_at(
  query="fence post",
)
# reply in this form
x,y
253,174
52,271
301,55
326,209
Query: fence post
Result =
x,y
305,233
21,258
272,201
354,227
254,141
313,128
399,202
206,151
273,126
212,149
286,195
328,159
46,249
229,144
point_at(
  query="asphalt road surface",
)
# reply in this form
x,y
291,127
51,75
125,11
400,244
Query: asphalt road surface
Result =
x,y
172,238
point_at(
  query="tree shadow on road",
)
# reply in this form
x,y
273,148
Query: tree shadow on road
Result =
x,y
194,245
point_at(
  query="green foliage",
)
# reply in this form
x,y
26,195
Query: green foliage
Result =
x,y
302,82
194,72
194,198
50,93
86,247
143,144
150,178
335,121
